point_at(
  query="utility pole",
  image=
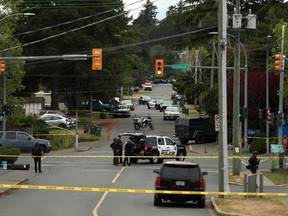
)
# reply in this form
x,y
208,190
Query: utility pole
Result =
x,y
267,95
281,92
236,94
222,97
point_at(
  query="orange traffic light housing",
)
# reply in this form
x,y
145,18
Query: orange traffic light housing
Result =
x,y
278,59
2,66
96,59
159,68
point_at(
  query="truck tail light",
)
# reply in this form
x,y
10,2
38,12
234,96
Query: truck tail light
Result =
x,y
158,181
146,148
202,182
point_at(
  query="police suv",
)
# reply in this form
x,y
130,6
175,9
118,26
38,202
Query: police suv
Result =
x,y
156,147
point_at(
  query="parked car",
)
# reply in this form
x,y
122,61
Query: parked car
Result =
x,y
135,89
171,112
147,87
128,103
121,111
42,112
155,145
22,140
180,176
159,81
198,128
57,120
144,100
56,112
158,103
165,104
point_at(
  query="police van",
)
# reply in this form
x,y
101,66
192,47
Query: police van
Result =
x,y
155,146
198,128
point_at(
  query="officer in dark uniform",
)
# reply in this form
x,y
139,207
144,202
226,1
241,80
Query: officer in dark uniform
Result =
x,y
37,153
120,152
254,162
128,147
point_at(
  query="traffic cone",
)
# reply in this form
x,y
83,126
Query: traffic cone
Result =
x,y
205,150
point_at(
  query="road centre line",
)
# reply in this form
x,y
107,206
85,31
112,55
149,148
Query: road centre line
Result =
x,y
95,210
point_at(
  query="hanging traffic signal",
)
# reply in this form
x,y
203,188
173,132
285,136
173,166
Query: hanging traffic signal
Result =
x,y
159,68
2,66
96,59
278,59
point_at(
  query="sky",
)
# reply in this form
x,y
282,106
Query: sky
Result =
x,y
162,7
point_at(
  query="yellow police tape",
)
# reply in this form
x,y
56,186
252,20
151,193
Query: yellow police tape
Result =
x,y
164,157
145,191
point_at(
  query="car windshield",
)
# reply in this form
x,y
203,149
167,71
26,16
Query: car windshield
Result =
x,y
180,170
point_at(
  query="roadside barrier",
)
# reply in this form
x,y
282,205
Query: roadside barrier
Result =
x,y
143,191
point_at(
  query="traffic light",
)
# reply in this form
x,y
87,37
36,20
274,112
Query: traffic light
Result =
x,y
97,59
2,66
11,109
159,68
278,59
260,113
5,109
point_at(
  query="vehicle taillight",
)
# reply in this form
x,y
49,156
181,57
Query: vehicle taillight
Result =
x,y
202,182
158,181
145,148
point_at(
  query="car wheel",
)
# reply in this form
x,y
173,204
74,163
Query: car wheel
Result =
x,y
157,200
62,125
155,158
200,138
181,156
201,202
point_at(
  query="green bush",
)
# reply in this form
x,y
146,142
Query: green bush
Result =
x,y
9,151
18,121
258,145
62,142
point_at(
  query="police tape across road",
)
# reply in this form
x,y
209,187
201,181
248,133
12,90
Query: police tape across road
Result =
x,y
164,156
143,191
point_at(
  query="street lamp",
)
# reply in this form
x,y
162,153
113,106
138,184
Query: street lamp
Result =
x,y
4,73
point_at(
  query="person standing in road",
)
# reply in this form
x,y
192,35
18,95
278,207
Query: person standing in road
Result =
x,y
115,148
37,153
120,152
128,147
254,162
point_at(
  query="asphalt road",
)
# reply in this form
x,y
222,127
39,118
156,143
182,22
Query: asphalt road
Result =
x,y
84,171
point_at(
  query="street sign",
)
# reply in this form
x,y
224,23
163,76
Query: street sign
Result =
x,y
180,67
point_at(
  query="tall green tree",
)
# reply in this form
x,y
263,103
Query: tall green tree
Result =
x,y
66,29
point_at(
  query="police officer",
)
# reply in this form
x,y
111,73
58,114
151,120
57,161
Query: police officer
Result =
x,y
37,153
254,162
120,152
128,147
115,148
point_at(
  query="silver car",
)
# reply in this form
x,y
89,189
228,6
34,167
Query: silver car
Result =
x,y
57,120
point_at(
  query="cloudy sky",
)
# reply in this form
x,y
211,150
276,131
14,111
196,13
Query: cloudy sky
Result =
x,y
162,6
